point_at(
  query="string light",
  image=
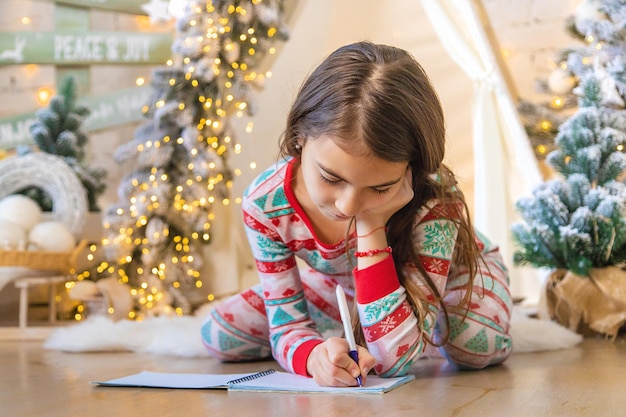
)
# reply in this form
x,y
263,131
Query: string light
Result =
x,y
557,102
44,94
31,69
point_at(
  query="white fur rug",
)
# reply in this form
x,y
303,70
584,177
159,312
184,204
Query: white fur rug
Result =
x,y
180,336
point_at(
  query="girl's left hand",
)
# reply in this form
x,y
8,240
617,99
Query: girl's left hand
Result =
x,y
330,364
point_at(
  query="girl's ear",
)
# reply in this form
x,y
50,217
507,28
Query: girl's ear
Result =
x,y
299,144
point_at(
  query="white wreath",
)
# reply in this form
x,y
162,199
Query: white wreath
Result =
x,y
52,175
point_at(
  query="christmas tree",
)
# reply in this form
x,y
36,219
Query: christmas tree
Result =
x,y
155,233
57,131
577,222
600,27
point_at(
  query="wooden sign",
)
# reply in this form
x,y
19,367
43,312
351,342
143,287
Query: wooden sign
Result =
x,y
110,110
15,131
78,47
125,6
117,108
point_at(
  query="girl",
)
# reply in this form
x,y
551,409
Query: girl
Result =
x,y
362,198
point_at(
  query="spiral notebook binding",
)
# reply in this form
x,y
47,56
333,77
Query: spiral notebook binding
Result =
x,y
251,377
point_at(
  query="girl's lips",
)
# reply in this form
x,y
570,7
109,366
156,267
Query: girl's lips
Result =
x,y
339,217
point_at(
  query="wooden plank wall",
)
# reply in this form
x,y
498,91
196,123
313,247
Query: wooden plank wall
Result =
x,y
19,83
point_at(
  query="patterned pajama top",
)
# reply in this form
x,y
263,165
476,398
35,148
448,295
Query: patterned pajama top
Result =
x,y
294,307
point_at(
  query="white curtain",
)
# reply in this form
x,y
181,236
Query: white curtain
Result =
x,y
505,166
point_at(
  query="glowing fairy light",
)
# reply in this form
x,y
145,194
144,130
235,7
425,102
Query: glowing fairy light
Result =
x,y
44,94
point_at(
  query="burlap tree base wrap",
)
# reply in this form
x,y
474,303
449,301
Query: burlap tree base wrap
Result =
x,y
594,305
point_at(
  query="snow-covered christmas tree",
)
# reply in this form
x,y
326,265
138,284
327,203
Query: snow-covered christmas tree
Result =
x,y
575,225
154,234
600,28
578,221
57,130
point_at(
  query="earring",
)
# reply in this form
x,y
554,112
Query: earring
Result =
x,y
298,147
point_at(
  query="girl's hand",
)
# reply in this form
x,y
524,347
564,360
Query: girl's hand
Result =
x,y
379,216
330,365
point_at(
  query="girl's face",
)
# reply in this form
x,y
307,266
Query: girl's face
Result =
x,y
342,185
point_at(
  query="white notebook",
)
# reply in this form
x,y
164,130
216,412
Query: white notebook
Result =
x,y
265,381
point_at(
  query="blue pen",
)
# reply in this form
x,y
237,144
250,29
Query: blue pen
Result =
x,y
347,327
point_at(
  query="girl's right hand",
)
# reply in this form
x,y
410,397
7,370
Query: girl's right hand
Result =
x,y
330,364
379,216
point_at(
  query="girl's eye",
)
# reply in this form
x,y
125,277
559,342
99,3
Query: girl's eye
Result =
x,y
329,181
381,190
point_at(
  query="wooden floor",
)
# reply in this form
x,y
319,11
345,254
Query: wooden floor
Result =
x,y
588,380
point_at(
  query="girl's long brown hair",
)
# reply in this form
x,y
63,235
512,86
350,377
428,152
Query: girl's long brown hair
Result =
x,y
377,99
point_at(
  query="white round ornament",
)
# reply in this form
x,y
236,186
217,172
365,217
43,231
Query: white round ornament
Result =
x,y
561,81
21,210
588,10
52,236
12,235
156,231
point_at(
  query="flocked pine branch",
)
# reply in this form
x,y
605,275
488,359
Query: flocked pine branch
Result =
x,y
57,130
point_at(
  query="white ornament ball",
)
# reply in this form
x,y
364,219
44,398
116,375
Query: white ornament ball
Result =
x,y
588,10
12,235
156,231
561,81
21,210
52,236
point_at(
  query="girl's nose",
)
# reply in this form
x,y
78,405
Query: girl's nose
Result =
x,y
348,204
